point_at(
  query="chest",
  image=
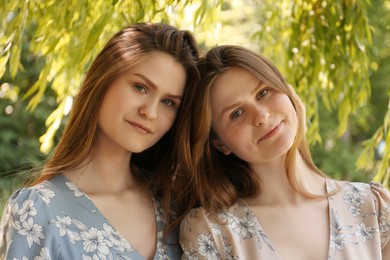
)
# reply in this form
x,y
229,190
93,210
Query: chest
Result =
x,y
291,229
133,216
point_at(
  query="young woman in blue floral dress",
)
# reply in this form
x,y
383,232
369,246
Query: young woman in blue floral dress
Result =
x,y
106,191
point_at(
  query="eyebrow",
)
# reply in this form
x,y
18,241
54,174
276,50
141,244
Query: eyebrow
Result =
x,y
258,87
150,83
255,89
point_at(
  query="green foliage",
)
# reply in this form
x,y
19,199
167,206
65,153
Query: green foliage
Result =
x,y
379,15
69,34
46,46
335,53
324,49
337,156
322,52
7,186
19,128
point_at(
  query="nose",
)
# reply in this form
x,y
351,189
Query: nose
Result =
x,y
149,109
260,115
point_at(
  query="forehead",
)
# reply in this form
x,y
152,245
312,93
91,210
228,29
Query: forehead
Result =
x,y
163,71
231,84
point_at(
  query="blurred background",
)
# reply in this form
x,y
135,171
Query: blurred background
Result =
x,y
336,54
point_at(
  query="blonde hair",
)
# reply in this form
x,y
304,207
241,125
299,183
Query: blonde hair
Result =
x,y
219,179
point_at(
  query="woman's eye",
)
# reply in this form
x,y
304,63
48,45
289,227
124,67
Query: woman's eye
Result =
x,y
235,114
262,93
168,102
140,88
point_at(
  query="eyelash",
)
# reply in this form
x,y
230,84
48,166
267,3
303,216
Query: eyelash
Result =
x,y
172,102
143,89
140,88
236,113
260,95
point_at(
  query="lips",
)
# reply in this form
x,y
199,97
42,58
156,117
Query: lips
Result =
x,y
272,132
140,127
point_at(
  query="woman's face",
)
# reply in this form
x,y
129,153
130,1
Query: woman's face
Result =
x,y
141,104
251,120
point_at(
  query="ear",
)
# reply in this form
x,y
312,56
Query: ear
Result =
x,y
221,147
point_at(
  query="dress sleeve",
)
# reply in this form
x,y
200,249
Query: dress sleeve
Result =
x,y
25,229
200,237
382,196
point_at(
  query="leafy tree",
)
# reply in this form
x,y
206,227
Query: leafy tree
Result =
x,y
334,52
324,48
46,48
379,15
69,34
19,128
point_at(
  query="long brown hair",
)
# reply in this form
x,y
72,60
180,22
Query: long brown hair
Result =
x,y
219,179
124,50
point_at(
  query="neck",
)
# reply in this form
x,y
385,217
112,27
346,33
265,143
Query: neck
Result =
x,y
275,186
105,170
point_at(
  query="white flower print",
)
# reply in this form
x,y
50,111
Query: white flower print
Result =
x,y
158,211
23,258
94,257
32,231
73,187
63,224
116,239
355,211
215,229
338,235
353,197
13,209
384,215
27,210
356,188
94,241
364,232
228,249
46,194
244,227
44,254
35,219
207,247
338,241
190,253
160,246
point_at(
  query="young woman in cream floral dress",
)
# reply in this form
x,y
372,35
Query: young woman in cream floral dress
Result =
x,y
262,197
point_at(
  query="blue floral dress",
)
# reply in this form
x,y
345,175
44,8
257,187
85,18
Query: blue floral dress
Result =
x,y
55,220
359,217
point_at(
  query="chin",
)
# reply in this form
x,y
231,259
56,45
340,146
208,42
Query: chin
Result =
x,y
281,151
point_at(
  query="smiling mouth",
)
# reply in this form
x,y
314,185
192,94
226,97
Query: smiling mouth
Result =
x,y
140,128
271,133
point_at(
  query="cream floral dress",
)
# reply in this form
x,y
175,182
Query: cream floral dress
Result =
x,y
359,216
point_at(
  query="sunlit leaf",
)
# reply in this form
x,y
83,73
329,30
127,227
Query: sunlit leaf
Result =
x,y
95,32
14,59
3,62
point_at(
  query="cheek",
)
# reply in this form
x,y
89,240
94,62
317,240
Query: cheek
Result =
x,y
294,117
233,136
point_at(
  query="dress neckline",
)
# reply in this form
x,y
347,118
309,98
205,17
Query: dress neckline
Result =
x,y
328,187
75,189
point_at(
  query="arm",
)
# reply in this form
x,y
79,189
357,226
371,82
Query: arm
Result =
x,y
383,213
200,238
25,229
